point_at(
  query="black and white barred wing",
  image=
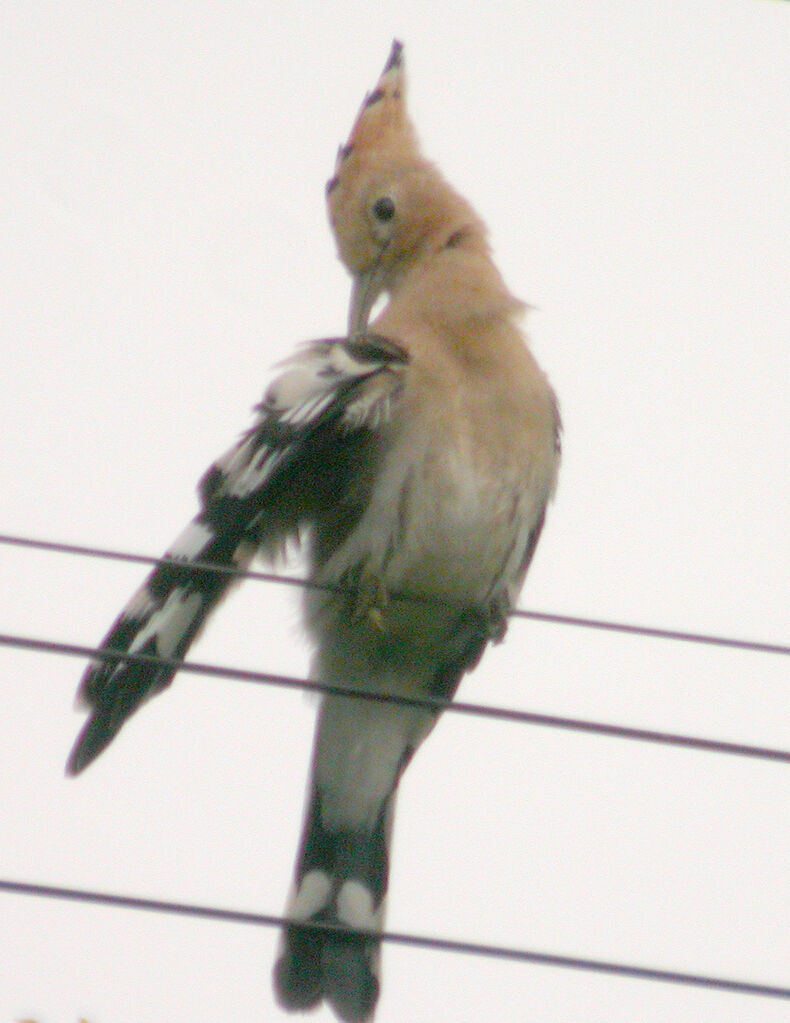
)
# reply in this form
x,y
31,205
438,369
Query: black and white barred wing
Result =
x,y
278,477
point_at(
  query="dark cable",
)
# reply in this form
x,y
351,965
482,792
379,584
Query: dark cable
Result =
x,y
273,577
429,703
399,938
654,633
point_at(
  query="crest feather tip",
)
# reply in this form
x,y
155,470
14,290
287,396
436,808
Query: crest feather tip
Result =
x,y
395,58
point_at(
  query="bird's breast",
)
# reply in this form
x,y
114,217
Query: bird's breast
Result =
x,y
459,526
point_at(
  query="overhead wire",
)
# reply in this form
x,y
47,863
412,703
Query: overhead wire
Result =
x,y
429,703
731,985
507,714
630,628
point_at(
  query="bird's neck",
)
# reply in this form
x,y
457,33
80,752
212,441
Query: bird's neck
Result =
x,y
455,287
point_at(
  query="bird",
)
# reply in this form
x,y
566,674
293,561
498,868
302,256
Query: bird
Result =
x,y
413,458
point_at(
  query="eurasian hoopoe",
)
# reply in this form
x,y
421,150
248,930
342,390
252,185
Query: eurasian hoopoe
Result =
x,y
416,458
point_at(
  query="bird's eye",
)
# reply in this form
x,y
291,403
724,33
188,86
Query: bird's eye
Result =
x,y
383,209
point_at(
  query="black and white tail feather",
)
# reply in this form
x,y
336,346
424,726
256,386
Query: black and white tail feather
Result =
x,y
278,477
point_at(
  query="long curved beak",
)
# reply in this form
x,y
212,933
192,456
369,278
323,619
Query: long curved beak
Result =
x,y
364,291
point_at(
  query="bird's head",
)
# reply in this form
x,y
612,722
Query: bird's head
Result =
x,y
387,204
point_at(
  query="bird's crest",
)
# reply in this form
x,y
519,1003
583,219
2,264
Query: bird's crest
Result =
x,y
382,131
381,148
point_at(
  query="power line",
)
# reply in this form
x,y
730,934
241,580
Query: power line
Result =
x,y
429,703
438,944
655,633
273,577
400,938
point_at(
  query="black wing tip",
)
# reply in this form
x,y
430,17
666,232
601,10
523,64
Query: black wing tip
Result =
x,y
79,759
94,738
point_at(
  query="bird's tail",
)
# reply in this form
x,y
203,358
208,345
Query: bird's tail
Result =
x,y
362,748
160,622
341,882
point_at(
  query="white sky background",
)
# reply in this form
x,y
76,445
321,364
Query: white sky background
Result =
x,y
164,241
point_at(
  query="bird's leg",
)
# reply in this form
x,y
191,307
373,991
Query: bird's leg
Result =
x,y
371,600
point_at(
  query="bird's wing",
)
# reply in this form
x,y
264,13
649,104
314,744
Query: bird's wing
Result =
x,y
274,479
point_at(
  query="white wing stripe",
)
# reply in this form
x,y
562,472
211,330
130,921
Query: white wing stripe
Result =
x,y
313,381
170,623
192,542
